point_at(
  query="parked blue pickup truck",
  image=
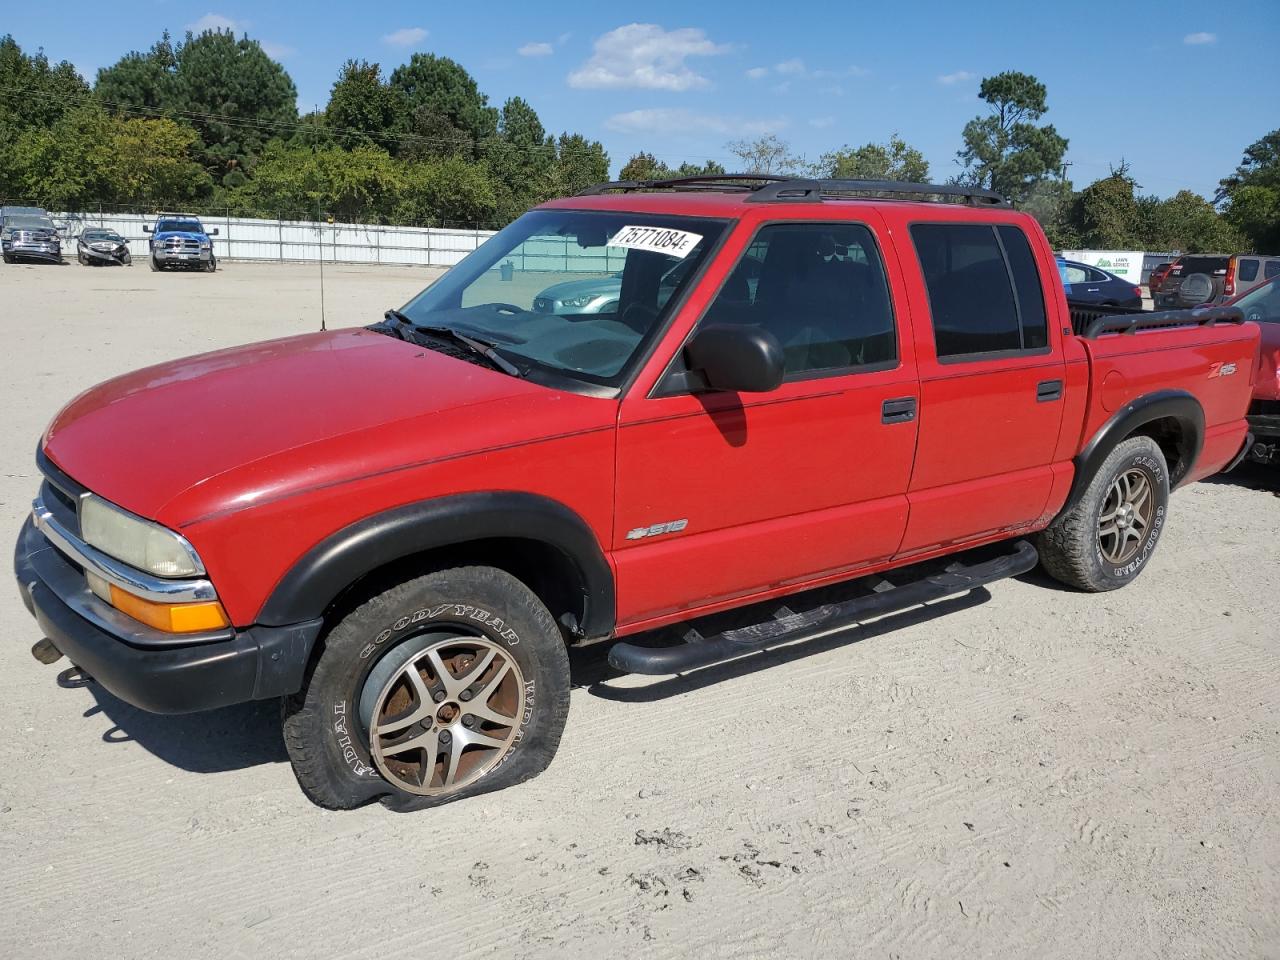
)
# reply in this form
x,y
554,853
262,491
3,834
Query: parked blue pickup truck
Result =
x,y
180,240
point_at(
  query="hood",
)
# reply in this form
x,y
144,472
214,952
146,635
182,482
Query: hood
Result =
x,y
593,286
226,430
181,234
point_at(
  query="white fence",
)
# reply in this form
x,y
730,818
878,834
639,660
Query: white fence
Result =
x,y
240,238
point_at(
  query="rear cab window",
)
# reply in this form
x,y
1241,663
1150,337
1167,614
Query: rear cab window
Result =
x,y
985,293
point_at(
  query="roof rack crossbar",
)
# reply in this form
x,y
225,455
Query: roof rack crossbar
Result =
x,y
717,181
767,188
810,190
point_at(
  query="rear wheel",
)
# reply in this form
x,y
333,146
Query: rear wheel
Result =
x,y
446,686
1105,540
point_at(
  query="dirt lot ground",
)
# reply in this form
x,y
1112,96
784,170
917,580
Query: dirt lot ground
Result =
x,y
1027,772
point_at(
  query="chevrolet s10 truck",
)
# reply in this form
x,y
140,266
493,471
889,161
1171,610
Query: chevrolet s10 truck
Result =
x,y
398,530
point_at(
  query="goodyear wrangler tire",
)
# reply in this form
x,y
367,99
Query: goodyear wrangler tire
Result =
x,y
1106,539
443,687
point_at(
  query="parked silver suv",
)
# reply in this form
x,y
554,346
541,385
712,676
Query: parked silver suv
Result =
x,y
1209,278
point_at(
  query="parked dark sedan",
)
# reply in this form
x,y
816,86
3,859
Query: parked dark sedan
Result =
x,y
99,246
1086,284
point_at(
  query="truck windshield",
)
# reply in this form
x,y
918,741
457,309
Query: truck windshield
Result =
x,y
575,292
179,226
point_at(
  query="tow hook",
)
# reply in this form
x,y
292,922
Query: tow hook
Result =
x,y
73,677
46,652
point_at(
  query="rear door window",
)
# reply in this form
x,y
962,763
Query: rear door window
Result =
x,y
1248,269
1271,269
985,293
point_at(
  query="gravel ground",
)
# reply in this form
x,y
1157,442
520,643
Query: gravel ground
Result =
x,y
1021,772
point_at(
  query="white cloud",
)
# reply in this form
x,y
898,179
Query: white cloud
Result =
x,y
822,122
951,79
405,37
1196,39
535,50
677,121
277,51
790,67
755,73
216,21
646,56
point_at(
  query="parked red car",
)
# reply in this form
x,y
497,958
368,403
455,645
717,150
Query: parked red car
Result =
x,y
1156,280
399,529
1261,305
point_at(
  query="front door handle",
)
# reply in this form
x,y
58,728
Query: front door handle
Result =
x,y
898,410
1047,390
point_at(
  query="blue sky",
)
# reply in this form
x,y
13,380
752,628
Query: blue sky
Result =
x,y
1176,89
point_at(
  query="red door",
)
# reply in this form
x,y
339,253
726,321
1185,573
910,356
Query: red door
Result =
x,y
721,496
991,382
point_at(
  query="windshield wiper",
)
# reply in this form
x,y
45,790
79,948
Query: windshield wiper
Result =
x,y
404,328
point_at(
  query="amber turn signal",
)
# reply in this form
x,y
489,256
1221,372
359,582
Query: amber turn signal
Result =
x,y
171,617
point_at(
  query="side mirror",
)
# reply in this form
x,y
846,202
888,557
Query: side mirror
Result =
x,y
147,229
213,232
742,359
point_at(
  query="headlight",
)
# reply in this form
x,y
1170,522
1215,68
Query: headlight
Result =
x,y
578,301
205,244
135,541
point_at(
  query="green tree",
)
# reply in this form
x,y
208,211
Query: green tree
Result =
x,y
767,154
895,160
1004,150
1105,213
645,166
363,109
443,190
579,164
521,158
140,81
234,95
88,157
447,111
1251,195
34,92
1186,222
359,185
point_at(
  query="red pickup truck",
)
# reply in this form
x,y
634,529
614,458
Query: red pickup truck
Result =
x,y
643,406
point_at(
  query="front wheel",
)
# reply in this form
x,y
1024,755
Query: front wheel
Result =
x,y
211,265
156,266
446,686
1106,539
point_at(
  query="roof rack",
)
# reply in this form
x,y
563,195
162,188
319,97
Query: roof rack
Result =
x,y
773,189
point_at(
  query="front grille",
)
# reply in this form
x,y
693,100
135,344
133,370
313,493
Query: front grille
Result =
x,y
61,494
181,245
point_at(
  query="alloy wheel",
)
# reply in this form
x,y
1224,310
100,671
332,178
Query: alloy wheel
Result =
x,y
447,716
1126,516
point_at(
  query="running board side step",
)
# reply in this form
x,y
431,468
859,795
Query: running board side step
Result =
x,y
698,651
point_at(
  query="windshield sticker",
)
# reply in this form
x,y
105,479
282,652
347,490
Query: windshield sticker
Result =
x,y
673,243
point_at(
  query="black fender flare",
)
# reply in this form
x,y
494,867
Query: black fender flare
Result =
x,y
342,558
1174,404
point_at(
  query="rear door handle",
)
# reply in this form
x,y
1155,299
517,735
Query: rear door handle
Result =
x,y
1047,390
898,410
